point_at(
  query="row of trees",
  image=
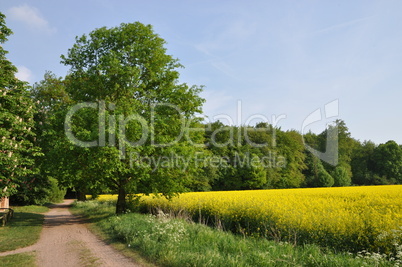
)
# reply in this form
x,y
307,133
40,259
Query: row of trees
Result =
x,y
284,161
121,122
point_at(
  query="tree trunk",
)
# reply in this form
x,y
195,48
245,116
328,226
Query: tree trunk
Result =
x,y
81,196
121,201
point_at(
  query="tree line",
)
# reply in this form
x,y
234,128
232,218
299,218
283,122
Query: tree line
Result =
x,y
288,164
120,121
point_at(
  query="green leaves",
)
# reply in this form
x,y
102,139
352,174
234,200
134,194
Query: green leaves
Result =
x,y
341,177
146,112
17,152
124,61
4,31
388,161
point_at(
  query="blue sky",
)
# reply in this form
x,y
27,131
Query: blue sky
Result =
x,y
279,60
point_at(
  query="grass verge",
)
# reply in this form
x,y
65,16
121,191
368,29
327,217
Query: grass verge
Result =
x,y
18,260
23,229
174,242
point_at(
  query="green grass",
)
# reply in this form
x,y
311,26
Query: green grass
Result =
x,y
174,242
31,209
18,260
23,229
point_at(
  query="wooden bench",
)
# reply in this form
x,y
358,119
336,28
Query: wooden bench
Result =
x,y
5,215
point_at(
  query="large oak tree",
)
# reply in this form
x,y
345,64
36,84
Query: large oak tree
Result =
x,y
139,115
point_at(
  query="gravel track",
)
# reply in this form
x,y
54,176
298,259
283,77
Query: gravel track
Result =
x,y
66,241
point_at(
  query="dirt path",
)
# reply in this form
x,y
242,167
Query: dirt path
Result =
x,y
66,241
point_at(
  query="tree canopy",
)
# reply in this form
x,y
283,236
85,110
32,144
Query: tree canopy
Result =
x,y
137,112
17,150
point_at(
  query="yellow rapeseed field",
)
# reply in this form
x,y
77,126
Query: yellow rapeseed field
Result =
x,y
352,218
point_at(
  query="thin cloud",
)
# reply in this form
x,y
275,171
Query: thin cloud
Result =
x,y
343,24
216,101
231,37
24,74
31,17
224,43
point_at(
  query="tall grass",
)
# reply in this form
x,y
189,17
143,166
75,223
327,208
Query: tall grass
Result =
x,y
175,242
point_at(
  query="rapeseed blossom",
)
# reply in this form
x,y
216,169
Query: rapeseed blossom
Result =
x,y
351,218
